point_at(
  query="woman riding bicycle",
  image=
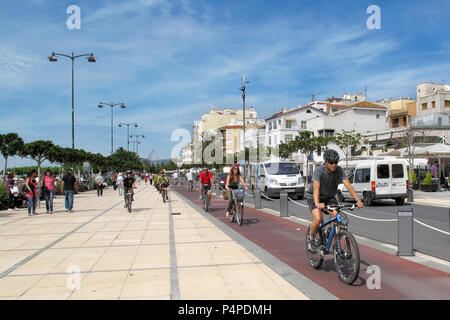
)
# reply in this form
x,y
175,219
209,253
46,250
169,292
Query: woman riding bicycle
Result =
x,y
233,180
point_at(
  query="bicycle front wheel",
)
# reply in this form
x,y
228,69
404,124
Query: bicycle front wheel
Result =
x,y
205,202
346,256
239,214
129,204
232,213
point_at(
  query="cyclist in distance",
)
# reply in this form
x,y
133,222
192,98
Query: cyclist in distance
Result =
x,y
206,178
128,184
233,180
323,190
163,183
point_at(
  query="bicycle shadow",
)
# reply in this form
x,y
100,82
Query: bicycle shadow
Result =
x,y
248,222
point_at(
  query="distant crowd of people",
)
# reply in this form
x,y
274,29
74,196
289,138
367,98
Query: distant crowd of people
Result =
x,y
33,189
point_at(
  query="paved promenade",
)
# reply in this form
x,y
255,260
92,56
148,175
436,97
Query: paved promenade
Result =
x,y
159,251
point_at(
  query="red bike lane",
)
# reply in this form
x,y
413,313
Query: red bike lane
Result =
x,y
400,279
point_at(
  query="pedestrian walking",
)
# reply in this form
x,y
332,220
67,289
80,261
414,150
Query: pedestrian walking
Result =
x,y
10,187
114,180
151,178
434,170
68,186
99,180
48,189
31,192
120,183
38,193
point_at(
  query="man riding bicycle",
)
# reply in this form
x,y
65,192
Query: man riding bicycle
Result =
x,y
206,181
323,190
163,183
128,184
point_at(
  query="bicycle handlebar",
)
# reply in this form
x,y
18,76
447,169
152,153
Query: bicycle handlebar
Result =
x,y
342,206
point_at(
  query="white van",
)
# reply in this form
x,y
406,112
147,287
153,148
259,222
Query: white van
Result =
x,y
378,179
272,177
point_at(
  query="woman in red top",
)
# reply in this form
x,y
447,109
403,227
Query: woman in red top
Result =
x,y
31,195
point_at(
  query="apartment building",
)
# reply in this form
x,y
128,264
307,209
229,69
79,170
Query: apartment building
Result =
x,y
433,105
284,126
400,115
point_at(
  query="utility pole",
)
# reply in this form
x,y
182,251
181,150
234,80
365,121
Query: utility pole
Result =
x,y
243,116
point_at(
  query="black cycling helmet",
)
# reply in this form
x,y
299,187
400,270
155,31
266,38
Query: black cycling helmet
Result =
x,y
331,155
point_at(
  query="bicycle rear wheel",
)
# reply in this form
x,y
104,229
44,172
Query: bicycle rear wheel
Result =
x,y
239,214
346,256
163,195
315,259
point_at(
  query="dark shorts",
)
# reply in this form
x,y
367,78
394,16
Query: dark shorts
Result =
x,y
332,201
165,185
206,187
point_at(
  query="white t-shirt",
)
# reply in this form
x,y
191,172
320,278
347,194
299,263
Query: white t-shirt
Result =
x,y
99,179
120,180
189,176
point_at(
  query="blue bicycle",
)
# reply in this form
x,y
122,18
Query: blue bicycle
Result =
x,y
345,248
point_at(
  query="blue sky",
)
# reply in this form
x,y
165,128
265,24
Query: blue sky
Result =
x,y
171,61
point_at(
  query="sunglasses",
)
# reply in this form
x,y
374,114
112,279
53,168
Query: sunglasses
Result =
x,y
333,162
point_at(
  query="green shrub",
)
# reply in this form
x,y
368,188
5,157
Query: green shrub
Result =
x,y
4,197
428,179
413,178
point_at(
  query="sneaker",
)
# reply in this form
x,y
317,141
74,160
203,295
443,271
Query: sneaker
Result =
x,y
67,210
311,245
10,209
200,198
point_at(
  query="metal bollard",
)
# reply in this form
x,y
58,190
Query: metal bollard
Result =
x,y
405,231
284,204
257,194
410,195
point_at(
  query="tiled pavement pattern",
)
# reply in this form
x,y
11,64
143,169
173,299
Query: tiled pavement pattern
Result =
x,y
124,255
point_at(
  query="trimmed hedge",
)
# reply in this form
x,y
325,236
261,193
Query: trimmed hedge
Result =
x,y
428,179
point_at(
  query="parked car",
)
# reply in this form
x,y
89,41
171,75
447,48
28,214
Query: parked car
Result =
x,y
378,179
274,177
220,180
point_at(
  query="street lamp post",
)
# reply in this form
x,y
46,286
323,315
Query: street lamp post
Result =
x,y
128,132
123,106
90,58
137,136
243,117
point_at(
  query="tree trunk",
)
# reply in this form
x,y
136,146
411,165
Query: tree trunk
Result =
x,y
307,172
4,171
39,161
